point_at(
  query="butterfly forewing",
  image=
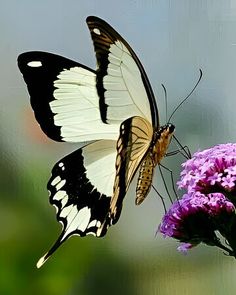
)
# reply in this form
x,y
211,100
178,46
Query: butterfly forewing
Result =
x,y
123,86
64,98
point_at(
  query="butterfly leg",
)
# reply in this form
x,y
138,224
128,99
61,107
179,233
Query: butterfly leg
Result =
x,y
183,148
185,154
162,199
172,181
165,186
184,151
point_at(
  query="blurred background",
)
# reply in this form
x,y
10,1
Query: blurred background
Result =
x,y
173,39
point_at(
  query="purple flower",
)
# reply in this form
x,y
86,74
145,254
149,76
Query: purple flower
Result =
x,y
212,170
228,181
216,177
195,218
208,207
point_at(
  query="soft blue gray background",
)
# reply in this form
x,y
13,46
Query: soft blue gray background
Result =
x,y
173,40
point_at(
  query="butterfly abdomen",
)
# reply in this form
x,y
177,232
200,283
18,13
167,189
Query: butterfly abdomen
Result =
x,y
144,179
157,151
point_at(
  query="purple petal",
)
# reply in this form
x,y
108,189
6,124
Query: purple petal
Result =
x,y
185,247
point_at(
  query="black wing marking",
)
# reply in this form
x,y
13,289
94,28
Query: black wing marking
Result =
x,y
64,98
81,188
122,83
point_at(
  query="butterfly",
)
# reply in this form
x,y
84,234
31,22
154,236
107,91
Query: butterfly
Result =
x,y
113,108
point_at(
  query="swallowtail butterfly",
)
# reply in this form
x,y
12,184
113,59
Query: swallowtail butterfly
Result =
x,y
114,109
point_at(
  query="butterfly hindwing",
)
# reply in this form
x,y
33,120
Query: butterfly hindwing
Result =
x,y
133,143
81,191
64,98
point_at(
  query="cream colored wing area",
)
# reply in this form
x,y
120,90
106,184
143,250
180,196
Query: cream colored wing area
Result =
x,y
76,107
99,160
133,143
125,93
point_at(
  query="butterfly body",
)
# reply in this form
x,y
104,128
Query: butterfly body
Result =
x,y
113,108
156,152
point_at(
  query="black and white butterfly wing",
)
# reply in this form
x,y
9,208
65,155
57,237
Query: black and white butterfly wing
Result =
x,y
64,98
80,188
122,84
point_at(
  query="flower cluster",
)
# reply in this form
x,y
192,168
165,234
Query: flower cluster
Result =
x,y
211,170
209,205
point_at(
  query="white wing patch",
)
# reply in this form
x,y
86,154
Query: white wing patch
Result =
x,y
92,223
62,166
99,161
76,107
76,220
56,180
66,211
34,64
125,94
97,31
60,184
60,195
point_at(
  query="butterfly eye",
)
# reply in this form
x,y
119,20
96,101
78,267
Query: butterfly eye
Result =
x,y
171,127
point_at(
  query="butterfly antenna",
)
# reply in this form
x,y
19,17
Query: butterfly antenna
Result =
x,y
178,106
165,93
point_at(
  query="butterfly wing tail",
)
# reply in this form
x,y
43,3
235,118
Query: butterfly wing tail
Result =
x,y
55,246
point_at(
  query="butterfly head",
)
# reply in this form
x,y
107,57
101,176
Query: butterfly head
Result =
x,y
166,131
170,128
165,134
